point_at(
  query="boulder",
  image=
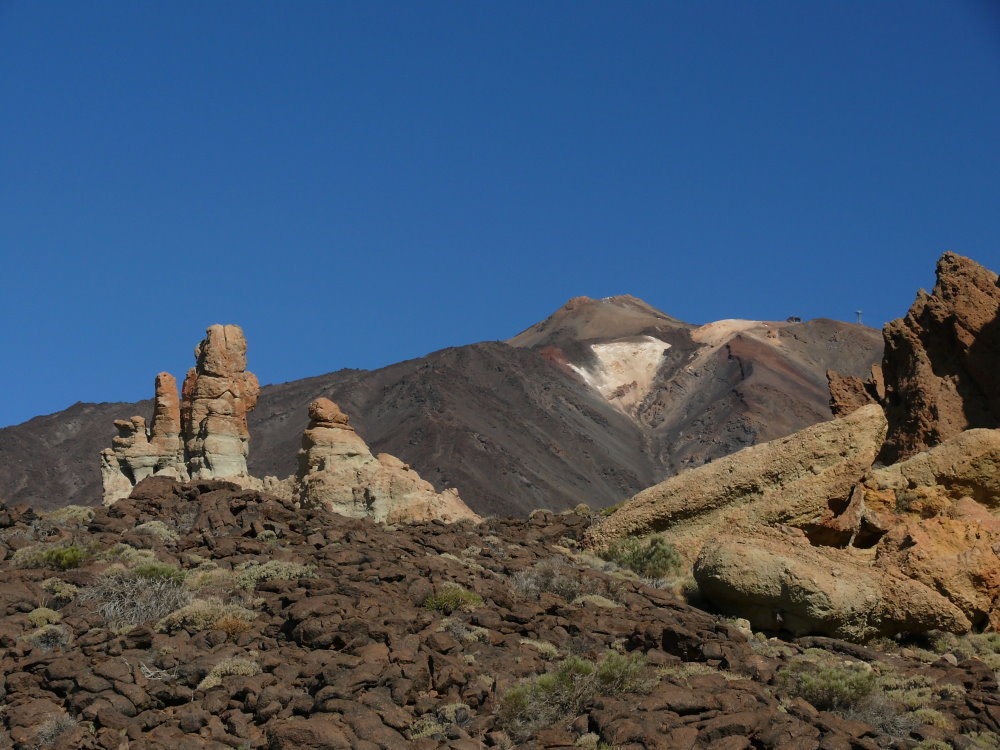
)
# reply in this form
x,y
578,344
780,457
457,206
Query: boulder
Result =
x,y
777,580
792,480
338,472
932,519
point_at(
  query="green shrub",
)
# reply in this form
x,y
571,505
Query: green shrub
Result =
x,y
273,570
70,514
48,637
202,614
657,558
611,509
158,571
453,598
226,668
564,691
43,616
55,557
829,686
126,598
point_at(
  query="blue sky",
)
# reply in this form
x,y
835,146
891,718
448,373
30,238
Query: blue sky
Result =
x,y
361,183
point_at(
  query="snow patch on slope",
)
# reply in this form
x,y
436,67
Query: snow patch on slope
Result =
x,y
625,370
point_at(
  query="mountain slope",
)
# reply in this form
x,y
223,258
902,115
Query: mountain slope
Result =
x,y
600,400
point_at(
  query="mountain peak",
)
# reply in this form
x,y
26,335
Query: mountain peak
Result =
x,y
587,319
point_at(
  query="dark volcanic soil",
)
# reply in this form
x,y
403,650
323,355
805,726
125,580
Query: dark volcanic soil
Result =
x,y
511,425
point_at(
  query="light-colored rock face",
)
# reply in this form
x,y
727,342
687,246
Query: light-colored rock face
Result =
x,y
218,394
202,434
137,453
790,480
778,581
625,370
337,471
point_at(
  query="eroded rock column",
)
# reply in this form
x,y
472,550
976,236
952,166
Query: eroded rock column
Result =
x,y
218,394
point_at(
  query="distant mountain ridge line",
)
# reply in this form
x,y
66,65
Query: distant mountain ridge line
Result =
x,y
513,424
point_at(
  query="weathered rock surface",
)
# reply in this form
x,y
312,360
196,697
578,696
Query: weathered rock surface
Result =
x,y
931,518
792,480
338,472
778,581
218,394
848,392
137,453
941,365
203,434
348,655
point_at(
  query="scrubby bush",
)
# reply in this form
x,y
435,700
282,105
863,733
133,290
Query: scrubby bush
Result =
x,y
70,514
553,576
453,598
48,637
564,691
157,530
43,616
55,557
202,614
126,598
158,571
829,686
226,668
53,728
232,626
657,558
60,592
272,570
426,726
127,555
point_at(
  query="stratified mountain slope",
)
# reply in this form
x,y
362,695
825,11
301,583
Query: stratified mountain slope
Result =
x,y
600,400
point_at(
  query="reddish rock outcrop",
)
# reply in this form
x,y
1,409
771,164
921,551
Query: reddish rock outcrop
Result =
x,y
218,394
941,365
942,361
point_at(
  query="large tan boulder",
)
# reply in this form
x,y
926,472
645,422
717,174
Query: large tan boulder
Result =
x,y
792,480
934,516
778,581
338,472
218,394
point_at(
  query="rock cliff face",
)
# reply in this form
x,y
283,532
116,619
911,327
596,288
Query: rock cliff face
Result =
x,y
939,373
202,435
338,472
940,361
